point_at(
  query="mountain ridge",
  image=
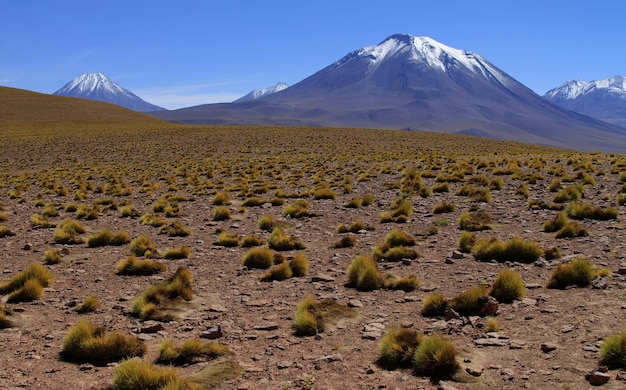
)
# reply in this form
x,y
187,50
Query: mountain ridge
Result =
x,y
97,86
416,83
603,99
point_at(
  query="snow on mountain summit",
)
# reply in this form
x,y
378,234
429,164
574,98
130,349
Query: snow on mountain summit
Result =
x,y
427,52
259,93
603,99
574,89
96,86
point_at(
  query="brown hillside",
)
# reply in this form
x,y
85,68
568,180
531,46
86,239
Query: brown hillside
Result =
x,y
26,110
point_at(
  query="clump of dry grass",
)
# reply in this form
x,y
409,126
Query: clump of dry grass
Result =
x,y
578,272
435,357
313,317
299,265
227,239
345,242
152,303
89,304
363,274
143,246
397,347
88,343
177,253
475,221
191,351
283,242
34,272
298,209
107,237
508,286
278,272
135,374
69,232
51,257
258,257
175,229
133,266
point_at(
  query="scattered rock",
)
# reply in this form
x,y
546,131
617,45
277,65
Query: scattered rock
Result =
x,y
267,326
212,333
548,347
150,327
489,306
597,378
491,342
28,246
284,365
320,277
476,372
445,386
355,303
599,283
457,254
528,302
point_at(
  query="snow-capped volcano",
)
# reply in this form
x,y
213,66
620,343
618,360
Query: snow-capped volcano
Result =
x,y
96,86
259,93
603,99
416,83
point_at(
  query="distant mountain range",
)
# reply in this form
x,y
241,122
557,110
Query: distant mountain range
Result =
x,y
96,86
259,93
415,83
603,99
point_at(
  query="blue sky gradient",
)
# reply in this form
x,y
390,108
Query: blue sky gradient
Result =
x,y
183,53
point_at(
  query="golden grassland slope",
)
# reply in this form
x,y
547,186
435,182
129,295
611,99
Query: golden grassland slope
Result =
x,y
161,184
25,110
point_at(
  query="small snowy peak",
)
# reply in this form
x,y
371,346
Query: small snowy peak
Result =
x,y
97,86
259,93
575,89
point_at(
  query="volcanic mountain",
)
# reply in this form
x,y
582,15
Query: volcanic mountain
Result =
x,y
96,86
416,83
603,99
259,93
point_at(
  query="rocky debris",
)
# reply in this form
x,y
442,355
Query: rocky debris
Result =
x,y
507,374
443,385
457,254
355,303
268,326
597,378
492,339
321,277
212,333
489,306
599,283
373,331
149,327
548,347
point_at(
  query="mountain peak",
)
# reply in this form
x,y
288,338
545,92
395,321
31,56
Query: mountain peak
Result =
x,y
97,86
259,93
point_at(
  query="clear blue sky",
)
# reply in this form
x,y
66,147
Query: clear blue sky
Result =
x,y
183,53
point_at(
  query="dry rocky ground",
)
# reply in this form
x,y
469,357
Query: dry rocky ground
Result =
x,y
549,340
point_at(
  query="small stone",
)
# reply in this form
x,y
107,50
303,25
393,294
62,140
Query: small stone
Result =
x,y
567,328
457,254
474,371
283,365
150,327
451,314
621,271
86,367
528,302
491,342
355,303
370,371
445,386
217,308
267,326
330,358
597,378
599,283
320,277
212,333
28,246
548,347
508,373
449,261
